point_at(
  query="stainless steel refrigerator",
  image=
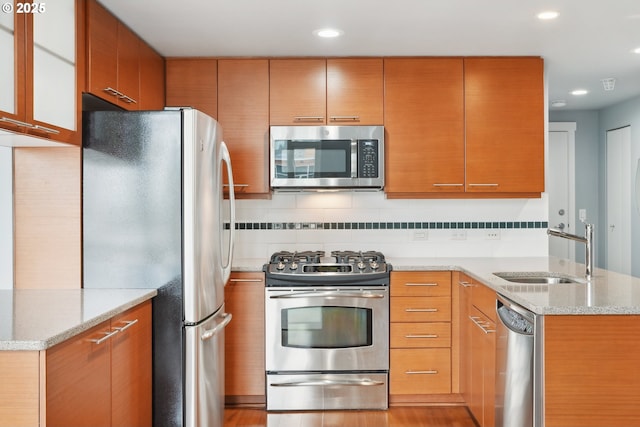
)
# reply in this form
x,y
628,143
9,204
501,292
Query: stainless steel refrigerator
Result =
x,y
154,216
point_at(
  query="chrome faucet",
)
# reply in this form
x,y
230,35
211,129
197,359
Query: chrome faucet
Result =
x,y
587,240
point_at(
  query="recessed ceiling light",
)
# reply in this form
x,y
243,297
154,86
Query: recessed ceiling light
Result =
x,y
549,14
328,32
579,92
636,50
559,103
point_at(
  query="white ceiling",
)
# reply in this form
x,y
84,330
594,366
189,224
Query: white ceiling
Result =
x,y
589,41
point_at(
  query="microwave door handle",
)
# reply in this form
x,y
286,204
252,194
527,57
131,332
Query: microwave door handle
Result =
x,y
354,158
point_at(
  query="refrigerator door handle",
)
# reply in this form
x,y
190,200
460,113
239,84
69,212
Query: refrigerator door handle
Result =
x,y
226,266
208,334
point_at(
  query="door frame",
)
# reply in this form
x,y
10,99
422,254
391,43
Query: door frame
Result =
x,y
570,128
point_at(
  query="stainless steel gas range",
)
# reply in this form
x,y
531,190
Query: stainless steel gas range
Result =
x,y
327,330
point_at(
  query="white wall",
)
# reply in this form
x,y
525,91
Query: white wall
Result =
x,y
310,222
6,218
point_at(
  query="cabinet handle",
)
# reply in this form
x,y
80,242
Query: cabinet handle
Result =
x,y
235,185
448,185
46,129
112,91
421,284
483,185
308,118
128,324
345,118
466,284
127,99
421,310
246,280
484,326
422,336
429,372
107,335
17,122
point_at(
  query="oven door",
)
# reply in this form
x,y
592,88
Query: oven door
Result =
x,y
327,329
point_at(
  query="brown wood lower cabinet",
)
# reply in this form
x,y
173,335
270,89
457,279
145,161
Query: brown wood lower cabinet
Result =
x,y
244,340
99,378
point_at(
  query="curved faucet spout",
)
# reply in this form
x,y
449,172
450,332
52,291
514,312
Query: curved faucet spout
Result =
x,y
587,240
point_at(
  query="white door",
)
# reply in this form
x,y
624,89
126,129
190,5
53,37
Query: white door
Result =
x,y
560,187
619,200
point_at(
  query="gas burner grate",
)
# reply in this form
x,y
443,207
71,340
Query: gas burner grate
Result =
x,y
305,256
350,257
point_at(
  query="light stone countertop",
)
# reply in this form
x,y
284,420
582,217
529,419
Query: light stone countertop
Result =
x,y
607,293
37,319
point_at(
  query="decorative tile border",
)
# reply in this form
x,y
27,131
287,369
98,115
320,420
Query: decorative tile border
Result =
x,y
387,225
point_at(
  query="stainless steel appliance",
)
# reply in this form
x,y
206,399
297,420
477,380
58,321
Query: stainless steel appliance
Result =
x,y
327,330
317,157
518,366
154,217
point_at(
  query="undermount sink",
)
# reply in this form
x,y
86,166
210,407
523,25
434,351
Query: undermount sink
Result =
x,y
543,278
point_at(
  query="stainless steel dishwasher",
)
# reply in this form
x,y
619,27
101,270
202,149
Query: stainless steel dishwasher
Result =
x,y
518,367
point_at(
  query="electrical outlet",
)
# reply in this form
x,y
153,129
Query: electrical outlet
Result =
x,y
493,234
459,235
420,235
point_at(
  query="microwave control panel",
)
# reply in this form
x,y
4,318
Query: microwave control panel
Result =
x,y
368,158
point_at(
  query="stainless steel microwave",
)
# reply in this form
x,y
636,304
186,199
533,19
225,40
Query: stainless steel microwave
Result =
x,y
326,157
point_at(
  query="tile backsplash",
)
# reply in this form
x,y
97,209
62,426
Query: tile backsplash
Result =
x,y
398,228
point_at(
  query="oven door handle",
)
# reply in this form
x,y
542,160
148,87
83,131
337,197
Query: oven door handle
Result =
x,y
325,382
328,294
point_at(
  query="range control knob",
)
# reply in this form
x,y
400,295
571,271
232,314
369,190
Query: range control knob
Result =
x,y
293,266
280,266
361,265
374,265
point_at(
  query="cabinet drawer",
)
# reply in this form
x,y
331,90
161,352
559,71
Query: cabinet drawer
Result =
x,y
421,283
413,335
420,371
420,309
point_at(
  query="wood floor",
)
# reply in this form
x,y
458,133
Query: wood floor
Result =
x,y
446,416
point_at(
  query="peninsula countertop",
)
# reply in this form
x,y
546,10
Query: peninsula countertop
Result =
x,y
37,319
607,293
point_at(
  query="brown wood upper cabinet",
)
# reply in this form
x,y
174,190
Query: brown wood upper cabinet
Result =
x,y
119,62
193,82
345,91
424,123
464,127
504,122
41,86
243,105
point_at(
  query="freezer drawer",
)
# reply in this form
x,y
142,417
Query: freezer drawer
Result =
x,y
204,371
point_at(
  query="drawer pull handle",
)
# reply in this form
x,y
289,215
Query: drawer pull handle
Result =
x,y
421,284
246,280
127,325
421,310
422,336
429,372
107,335
466,284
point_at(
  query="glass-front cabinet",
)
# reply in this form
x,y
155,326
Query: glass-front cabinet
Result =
x,y
39,71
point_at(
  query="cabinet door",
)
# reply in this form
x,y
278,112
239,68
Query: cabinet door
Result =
x,y
151,79
423,115
504,112
244,349
78,380
102,52
12,69
243,103
193,83
355,91
128,68
298,91
131,364
465,285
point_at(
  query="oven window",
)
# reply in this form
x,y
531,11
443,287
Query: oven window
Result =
x,y
327,327
312,159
